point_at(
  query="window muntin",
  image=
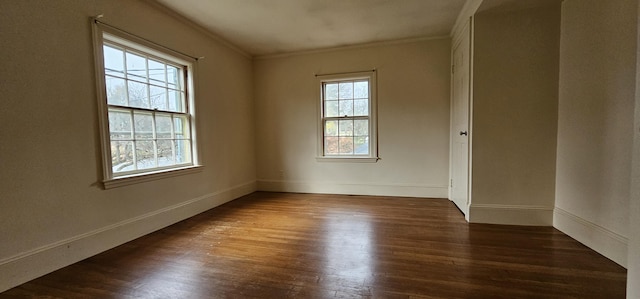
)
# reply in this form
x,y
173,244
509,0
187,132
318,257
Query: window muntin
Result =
x,y
148,106
347,118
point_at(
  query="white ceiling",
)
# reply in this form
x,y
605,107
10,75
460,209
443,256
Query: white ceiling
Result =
x,y
264,27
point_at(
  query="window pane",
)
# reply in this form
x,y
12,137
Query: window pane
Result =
x,y
138,95
346,145
176,101
143,125
183,151
361,90
163,126
331,128
119,125
331,91
346,108
136,67
121,156
165,153
346,128
361,145
145,154
331,146
113,61
158,97
353,117
181,127
157,72
361,127
116,91
361,107
331,108
346,90
173,77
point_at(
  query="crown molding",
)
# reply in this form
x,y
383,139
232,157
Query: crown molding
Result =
x,y
198,27
468,10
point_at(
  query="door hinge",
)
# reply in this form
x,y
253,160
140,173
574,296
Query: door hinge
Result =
x,y
451,183
453,69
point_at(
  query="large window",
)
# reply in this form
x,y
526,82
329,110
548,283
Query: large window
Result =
x,y
146,105
348,127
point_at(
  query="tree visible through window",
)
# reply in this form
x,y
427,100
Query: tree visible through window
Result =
x,y
149,114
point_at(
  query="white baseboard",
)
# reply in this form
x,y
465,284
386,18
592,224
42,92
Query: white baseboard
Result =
x,y
511,214
610,244
34,263
405,190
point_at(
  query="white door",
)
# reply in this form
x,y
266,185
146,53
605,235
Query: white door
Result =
x,y
460,122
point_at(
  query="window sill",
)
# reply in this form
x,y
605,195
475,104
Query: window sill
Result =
x,y
147,177
348,159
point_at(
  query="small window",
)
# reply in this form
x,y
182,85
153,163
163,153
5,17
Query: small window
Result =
x,y
347,120
147,113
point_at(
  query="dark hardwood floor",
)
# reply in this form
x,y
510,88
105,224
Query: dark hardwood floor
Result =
x,y
278,245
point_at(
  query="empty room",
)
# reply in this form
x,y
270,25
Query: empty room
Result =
x,y
319,149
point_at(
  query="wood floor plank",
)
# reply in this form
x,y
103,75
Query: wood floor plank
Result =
x,y
285,245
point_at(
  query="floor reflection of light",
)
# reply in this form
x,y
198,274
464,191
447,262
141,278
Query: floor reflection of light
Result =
x,y
349,249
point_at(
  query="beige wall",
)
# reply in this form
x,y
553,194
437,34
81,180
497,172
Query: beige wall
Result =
x,y
52,210
413,121
515,87
597,89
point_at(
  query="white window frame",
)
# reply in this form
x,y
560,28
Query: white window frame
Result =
x,y
103,33
372,157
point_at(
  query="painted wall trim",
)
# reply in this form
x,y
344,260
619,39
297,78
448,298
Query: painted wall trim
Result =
x,y
604,241
468,10
471,86
511,214
375,189
34,263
